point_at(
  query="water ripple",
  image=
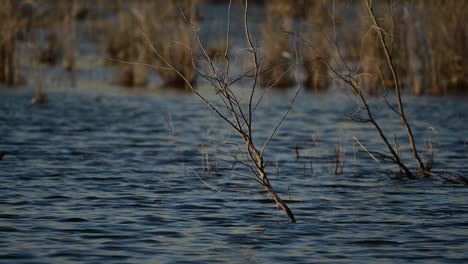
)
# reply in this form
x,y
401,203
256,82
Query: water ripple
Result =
x,y
113,181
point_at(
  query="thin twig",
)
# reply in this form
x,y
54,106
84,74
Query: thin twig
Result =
x,y
366,150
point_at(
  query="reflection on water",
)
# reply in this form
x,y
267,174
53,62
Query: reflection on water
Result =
x,y
99,177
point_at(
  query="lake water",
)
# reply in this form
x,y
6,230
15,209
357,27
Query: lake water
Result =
x,y
110,176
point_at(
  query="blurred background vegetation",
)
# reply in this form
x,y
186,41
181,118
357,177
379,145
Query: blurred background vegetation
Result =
x,y
102,40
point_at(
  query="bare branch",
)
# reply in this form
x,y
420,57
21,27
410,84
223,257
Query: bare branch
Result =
x,y
365,149
265,145
203,181
239,113
389,60
209,104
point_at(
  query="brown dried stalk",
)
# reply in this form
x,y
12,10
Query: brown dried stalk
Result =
x,y
10,27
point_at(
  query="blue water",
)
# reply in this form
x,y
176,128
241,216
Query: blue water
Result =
x,y
110,176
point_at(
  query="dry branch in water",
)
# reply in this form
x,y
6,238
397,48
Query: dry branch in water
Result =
x,y
236,110
401,111
348,75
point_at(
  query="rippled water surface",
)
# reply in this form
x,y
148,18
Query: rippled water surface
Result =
x,y
108,177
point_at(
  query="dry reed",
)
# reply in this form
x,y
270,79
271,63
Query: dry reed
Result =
x,y
316,71
276,48
167,23
446,26
427,42
124,45
10,27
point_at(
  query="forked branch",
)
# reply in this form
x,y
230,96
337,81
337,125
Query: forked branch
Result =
x,y
401,110
239,114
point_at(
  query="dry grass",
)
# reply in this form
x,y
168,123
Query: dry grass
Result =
x,y
123,45
375,74
339,159
276,46
51,34
318,19
120,37
70,36
446,26
165,23
10,27
177,47
428,41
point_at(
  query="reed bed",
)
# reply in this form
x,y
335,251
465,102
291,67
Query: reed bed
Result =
x,y
318,20
10,28
446,26
428,46
277,51
428,40
123,47
161,25
168,26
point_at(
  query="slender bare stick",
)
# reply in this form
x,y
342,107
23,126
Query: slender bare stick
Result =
x,y
366,150
397,85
